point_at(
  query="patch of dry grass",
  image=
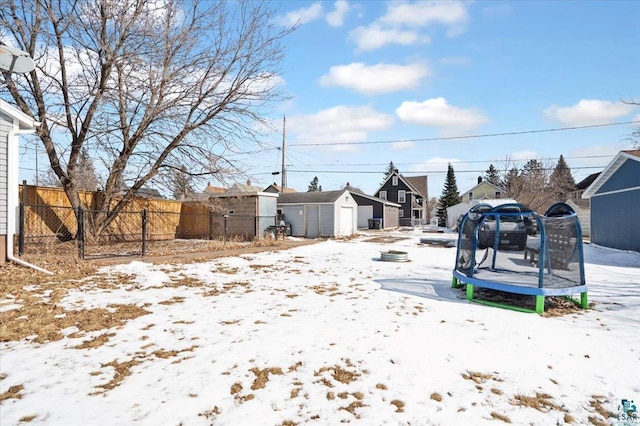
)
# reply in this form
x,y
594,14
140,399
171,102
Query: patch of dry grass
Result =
x,y
597,402
262,376
14,392
436,396
541,401
499,416
399,405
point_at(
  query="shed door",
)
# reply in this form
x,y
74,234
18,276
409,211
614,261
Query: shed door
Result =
x,y
364,214
312,221
346,221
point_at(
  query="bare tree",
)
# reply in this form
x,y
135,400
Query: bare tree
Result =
x,y
145,86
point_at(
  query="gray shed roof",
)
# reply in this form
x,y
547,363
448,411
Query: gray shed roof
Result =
x,y
310,197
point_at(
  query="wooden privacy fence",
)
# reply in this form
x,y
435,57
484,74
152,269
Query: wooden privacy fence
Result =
x,y
44,225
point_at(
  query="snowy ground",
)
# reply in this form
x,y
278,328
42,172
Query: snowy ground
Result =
x,y
324,334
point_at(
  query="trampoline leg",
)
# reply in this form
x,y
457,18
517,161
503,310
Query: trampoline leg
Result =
x,y
539,304
469,291
584,303
454,283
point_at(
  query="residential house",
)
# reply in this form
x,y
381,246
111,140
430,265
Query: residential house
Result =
x,y
372,208
615,203
211,189
248,187
411,193
13,122
582,206
276,189
320,213
483,190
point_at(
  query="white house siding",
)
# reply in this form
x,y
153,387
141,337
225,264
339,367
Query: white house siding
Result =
x,y
6,125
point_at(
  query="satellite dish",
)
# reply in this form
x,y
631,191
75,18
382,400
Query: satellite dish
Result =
x,y
15,60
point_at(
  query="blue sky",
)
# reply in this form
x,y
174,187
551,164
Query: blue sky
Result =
x,y
412,75
406,71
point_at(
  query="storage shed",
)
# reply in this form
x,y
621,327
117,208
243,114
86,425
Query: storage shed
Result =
x,y
376,208
12,123
615,203
319,214
242,214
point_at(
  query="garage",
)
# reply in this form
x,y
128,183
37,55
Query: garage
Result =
x,y
319,214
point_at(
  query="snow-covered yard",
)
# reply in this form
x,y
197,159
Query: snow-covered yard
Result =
x,y
322,334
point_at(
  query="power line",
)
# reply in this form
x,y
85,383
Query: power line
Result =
x,y
455,162
425,171
486,135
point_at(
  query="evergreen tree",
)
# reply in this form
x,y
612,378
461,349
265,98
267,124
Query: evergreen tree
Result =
x,y
561,181
512,182
492,175
85,173
314,186
389,171
450,196
181,184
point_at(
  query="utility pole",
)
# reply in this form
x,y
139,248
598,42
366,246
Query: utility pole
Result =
x,y
284,176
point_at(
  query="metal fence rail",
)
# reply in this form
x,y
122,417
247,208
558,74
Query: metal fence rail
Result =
x,y
50,229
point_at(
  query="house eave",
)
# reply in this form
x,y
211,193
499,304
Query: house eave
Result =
x,y
608,171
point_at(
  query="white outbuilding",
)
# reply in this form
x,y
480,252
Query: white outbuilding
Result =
x,y
319,214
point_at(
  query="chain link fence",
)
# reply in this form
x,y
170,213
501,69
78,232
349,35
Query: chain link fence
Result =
x,y
99,234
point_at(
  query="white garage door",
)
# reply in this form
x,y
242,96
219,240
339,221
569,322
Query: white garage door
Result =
x,y
364,214
346,221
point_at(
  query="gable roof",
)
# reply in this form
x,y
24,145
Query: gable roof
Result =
x,y
311,197
213,189
484,182
356,194
620,158
420,184
24,121
407,182
584,183
277,188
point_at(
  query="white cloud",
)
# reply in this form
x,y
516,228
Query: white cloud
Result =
x,y
340,124
403,145
375,79
374,36
437,113
422,13
403,22
301,16
336,17
589,111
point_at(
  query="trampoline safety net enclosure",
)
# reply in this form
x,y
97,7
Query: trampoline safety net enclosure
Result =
x,y
513,249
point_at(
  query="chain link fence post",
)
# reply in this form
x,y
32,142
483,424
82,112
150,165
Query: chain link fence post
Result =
x,y
80,235
144,232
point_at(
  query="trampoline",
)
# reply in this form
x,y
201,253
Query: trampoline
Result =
x,y
512,249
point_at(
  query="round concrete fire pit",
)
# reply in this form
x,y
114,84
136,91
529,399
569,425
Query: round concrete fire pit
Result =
x,y
394,256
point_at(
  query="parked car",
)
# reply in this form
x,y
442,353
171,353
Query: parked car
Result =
x,y
512,230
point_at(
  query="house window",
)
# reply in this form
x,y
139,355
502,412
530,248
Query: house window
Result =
x,y
402,196
400,213
497,194
383,195
394,181
470,196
